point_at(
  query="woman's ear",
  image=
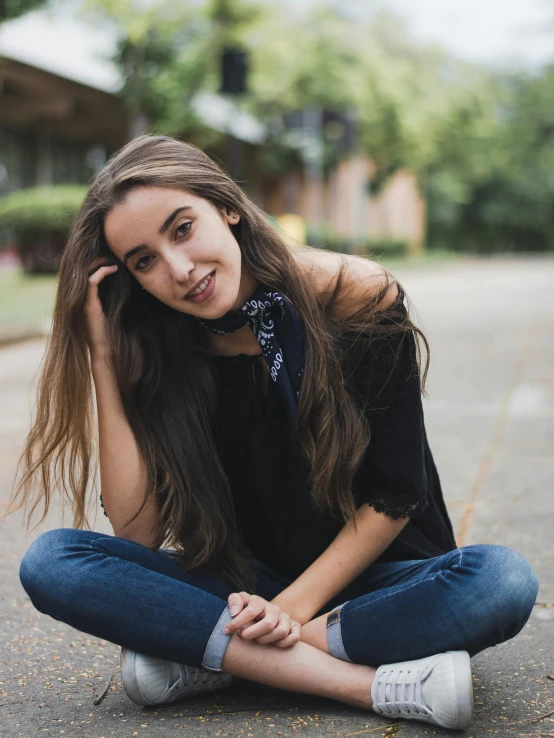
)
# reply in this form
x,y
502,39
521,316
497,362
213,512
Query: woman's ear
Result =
x,y
231,216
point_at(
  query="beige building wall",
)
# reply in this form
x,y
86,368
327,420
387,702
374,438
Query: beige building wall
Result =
x,y
347,209
399,211
348,203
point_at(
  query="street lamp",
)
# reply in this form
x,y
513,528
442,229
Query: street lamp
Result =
x,y
234,73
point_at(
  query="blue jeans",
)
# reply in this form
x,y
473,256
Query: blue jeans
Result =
x,y
468,599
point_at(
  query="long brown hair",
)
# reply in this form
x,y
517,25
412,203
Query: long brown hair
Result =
x,y
166,376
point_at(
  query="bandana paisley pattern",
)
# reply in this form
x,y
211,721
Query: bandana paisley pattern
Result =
x,y
278,329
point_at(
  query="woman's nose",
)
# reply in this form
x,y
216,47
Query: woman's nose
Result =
x,y
180,266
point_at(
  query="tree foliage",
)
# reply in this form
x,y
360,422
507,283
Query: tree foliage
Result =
x,y
480,141
490,185
10,9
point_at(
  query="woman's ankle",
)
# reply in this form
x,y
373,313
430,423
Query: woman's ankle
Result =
x,y
357,689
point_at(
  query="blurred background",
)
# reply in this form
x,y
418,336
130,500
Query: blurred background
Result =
x,y
387,128
419,133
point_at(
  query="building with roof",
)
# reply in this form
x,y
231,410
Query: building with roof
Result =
x,y
61,117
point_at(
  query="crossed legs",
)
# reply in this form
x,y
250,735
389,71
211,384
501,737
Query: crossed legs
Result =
x,y
142,599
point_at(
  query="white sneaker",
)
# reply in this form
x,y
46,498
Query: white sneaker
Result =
x,y
150,681
437,689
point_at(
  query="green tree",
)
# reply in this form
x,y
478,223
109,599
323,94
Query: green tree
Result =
x,y
490,186
481,142
168,52
14,8
395,89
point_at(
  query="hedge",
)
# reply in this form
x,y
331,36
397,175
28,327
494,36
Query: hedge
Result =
x,y
38,220
40,211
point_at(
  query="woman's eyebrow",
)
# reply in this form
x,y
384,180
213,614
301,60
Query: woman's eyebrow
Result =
x,y
167,222
163,228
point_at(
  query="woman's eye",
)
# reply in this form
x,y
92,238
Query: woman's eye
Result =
x,y
141,264
183,228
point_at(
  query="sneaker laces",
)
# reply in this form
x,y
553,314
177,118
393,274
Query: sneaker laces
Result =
x,y
399,691
192,675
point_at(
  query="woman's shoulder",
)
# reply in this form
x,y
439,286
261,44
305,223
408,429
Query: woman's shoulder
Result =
x,y
363,280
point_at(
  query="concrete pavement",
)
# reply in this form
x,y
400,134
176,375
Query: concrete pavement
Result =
x,y
490,421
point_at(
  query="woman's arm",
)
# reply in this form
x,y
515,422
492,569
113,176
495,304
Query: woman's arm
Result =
x,y
352,551
122,470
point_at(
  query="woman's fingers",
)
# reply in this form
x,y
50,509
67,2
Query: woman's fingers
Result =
x,y
292,638
262,621
92,301
97,272
237,601
251,612
257,619
98,275
101,261
267,625
280,631
93,312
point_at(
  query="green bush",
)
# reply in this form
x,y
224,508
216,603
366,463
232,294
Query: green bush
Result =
x,y
40,211
38,220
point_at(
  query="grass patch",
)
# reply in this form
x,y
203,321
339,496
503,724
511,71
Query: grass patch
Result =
x,y
425,259
26,302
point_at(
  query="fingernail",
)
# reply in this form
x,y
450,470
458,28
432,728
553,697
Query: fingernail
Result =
x,y
234,609
226,630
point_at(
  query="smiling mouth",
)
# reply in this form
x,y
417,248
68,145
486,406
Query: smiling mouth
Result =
x,y
203,284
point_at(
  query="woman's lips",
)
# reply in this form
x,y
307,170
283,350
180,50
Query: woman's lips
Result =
x,y
207,292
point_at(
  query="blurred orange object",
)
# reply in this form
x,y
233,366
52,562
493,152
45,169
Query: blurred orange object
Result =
x,y
293,229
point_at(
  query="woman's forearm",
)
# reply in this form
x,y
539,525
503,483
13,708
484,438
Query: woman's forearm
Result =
x,y
122,469
347,557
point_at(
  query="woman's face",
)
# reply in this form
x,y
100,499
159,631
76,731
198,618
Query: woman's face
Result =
x,y
172,241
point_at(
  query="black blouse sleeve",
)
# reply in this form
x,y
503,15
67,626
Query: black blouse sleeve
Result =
x,y
392,477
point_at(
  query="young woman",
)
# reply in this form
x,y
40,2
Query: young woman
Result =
x,y
259,411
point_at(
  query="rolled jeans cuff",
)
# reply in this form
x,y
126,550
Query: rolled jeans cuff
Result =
x,y
217,643
334,635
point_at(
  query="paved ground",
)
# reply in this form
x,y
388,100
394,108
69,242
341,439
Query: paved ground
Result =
x,y
490,417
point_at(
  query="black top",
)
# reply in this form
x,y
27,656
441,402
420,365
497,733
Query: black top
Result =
x,y
269,480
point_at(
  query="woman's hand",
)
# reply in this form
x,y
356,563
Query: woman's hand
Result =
x,y
257,619
94,315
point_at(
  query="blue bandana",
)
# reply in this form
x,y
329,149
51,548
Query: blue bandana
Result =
x,y
279,332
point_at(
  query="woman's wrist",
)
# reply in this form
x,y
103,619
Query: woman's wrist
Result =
x,y
299,611
100,359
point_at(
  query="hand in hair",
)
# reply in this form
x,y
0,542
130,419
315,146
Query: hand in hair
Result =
x,y
94,314
257,619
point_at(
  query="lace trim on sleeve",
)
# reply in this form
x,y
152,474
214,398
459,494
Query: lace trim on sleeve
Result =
x,y
102,504
395,509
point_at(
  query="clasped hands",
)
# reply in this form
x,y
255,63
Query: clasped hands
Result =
x,y
258,620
